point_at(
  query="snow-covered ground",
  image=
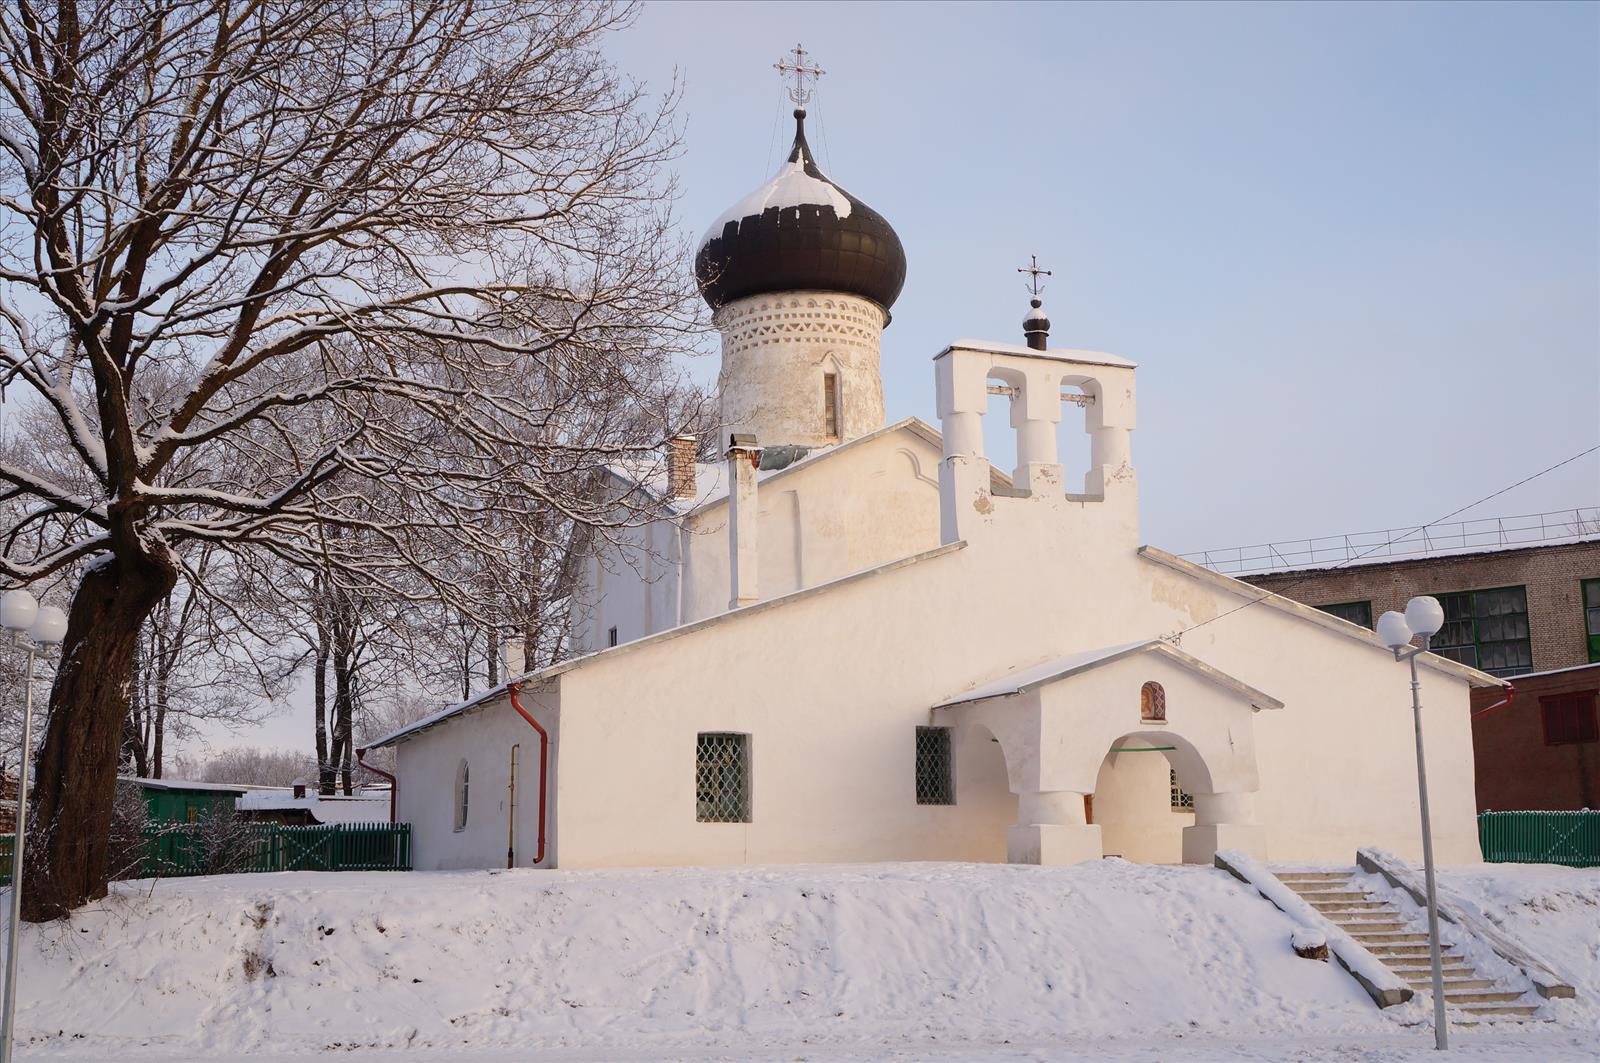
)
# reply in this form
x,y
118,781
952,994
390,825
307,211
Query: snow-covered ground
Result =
x,y
1109,961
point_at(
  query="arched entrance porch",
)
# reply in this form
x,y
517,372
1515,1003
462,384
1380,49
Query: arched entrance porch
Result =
x,y
1056,723
1142,803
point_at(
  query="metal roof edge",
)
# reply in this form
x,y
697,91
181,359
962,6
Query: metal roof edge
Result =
x,y
1257,698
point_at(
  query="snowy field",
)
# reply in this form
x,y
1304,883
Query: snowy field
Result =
x,y
1107,961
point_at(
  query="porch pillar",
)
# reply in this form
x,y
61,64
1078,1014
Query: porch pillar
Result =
x,y
1223,821
1051,829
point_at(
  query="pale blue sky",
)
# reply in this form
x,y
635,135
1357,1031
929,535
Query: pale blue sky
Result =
x,y
1312,226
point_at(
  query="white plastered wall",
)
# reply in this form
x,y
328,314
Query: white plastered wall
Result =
x,y
426,767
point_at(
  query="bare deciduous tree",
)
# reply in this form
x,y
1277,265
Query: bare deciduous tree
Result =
x,y
279,269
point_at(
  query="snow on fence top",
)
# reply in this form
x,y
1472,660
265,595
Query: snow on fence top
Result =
x,y
1398,544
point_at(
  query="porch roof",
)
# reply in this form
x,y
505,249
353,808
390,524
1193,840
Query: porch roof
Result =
x,y
1027,679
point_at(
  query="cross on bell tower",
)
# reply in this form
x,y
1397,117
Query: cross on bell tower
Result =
x,y
800,91
1035,286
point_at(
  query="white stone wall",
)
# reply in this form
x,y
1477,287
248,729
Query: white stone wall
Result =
x,y
775,350
427,767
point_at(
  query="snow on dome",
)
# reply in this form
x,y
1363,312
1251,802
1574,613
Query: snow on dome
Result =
x,y
790,187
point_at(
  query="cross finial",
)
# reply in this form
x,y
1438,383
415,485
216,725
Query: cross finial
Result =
x,y
1033,282
799,92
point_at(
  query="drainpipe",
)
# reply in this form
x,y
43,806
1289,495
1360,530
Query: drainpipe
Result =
x,y
394,784
544,764
1511,692
511,817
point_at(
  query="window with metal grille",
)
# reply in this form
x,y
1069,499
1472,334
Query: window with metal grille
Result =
x,y
1152,703
830,403
1181,801
936,777
611,637
461,795
722,777
1486,629
1591,616
1355,612
1570,718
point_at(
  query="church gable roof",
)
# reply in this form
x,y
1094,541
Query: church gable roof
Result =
x,y
1073,664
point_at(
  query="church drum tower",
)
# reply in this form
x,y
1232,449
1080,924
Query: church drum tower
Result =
x,y
801,276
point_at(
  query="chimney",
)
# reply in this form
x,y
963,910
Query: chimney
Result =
x,y
514,656
681,465
744,455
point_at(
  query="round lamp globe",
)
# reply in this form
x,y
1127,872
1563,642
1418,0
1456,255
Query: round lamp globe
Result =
x,y
1393,631
49,627
17,610
1425,615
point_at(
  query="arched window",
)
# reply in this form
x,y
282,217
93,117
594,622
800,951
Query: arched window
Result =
x,y
461,795
1152,703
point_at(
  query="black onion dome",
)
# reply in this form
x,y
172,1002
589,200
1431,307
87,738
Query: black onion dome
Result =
x,y
800,231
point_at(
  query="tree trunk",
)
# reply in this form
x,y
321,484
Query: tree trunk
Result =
x,y
342,699
319,677
162,693
69,833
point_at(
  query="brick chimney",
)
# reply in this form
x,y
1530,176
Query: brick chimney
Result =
x,y
681,465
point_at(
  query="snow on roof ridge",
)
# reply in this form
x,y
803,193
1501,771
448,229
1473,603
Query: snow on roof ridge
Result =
x,y
182,784
1059,354
1072,664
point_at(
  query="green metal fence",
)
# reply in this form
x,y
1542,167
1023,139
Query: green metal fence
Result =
x,y
1570,838
182,849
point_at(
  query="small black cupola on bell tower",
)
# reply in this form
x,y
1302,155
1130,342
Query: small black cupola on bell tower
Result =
x,y
1035,326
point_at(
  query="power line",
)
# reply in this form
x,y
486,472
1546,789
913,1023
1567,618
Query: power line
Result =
x,y
1390,542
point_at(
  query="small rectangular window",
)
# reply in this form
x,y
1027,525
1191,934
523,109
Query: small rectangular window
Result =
x,y
611,637
935,768
1570,719
1181,801
1355,612
1591,616
830,404
722,777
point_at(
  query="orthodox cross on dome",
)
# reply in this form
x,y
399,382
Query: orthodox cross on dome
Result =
x,y
1035,286
800,91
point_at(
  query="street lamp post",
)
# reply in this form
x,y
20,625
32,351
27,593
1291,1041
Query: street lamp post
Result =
x,y
1423,616
19,613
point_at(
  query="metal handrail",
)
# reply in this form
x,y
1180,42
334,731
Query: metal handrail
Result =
x,y
1467,536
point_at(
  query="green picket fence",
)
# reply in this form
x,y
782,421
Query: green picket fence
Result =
x,y
175,850
181,849
1570,838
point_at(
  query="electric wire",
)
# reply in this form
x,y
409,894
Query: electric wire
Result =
x,y
1178,635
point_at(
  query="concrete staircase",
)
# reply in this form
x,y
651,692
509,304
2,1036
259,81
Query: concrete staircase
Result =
x,y
1384,932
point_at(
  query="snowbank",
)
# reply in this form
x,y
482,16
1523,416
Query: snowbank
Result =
x,y
875,960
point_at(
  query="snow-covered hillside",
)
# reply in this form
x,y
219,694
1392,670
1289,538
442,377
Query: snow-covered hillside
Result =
x,y
904,960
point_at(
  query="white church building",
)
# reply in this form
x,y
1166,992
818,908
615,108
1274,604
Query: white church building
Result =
x,y
858,641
